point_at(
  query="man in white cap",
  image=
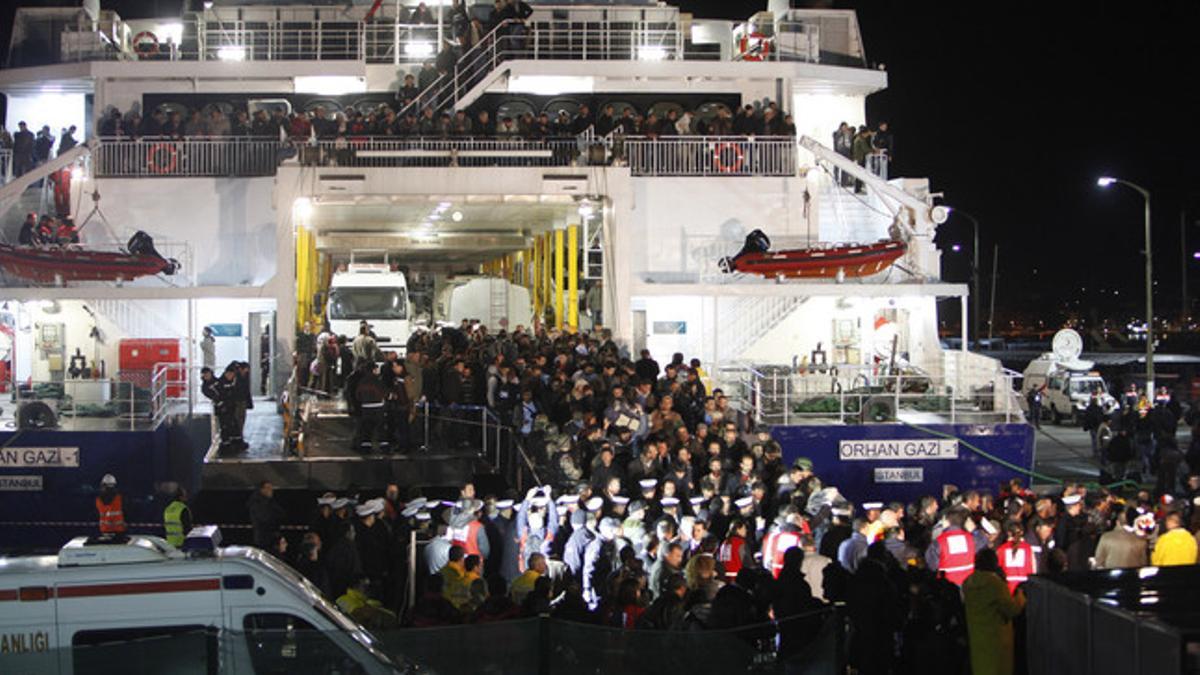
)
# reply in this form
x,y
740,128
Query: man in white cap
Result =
x,y
501,525
372,538
109,507
602,557
583,531
467,531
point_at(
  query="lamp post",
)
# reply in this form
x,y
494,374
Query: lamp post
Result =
x,y
974,271
1106,181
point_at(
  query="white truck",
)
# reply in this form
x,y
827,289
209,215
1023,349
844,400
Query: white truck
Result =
x,y
1069,380
491,301
151,607
371,292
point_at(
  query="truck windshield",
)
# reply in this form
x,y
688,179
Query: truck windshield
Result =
x,y
366,302
1088,385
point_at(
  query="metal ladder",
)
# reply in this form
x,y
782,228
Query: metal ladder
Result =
x,y
593,249
498,305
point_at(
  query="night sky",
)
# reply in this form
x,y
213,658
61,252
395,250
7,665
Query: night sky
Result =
x,y
1012,110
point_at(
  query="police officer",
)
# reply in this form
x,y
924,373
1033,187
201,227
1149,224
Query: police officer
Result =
x,y
225,392
177,518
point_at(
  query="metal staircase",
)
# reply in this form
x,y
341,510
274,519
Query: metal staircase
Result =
x,y
132,318
743,321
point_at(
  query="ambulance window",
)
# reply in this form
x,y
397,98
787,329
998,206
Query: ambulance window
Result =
x,y
281,643
185,650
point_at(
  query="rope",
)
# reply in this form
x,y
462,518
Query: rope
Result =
x,y
1009,465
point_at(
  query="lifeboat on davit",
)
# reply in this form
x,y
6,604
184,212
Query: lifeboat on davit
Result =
x,y
813,262
53,264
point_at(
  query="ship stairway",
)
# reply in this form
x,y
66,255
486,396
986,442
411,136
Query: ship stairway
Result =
x,y
743,321
135,319
847,216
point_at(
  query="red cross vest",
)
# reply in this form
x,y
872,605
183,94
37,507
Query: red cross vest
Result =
x,y
1018,562
730,556
112,517
780,544
956,555
467,537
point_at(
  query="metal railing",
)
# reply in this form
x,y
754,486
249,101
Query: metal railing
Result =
x,y
709,155
853,394
90,404
432,152
169,384
217,156
6,166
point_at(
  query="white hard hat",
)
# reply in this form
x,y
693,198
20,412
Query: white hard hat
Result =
x,y
108,480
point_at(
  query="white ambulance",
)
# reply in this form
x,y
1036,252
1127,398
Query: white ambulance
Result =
x,y
143,606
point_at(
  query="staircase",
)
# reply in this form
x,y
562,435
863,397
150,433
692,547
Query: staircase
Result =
x,y
844,215
473,73
132,318
743,321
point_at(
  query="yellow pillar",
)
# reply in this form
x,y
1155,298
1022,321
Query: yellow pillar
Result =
x,y
573,277
559,261
547,255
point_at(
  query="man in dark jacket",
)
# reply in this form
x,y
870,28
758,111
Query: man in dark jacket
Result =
x,y
370,395
43,145
22,150
374,544
266,515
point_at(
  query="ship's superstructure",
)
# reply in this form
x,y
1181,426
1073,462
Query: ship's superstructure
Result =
x,y
600,222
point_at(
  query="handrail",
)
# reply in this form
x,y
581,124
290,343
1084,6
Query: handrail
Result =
x,y
487,41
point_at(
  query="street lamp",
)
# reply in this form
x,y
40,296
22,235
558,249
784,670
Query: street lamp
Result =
x,y
974,271
1106,181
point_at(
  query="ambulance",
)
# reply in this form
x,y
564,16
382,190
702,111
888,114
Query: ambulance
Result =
x,y
139,605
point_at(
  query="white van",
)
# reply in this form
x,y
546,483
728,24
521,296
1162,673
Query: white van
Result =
x,y
375,293
143,606
1069,387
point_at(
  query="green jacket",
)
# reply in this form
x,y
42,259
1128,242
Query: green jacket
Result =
x,y
990,611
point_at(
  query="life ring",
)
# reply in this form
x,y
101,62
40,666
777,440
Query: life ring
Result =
x,y
145,44
760,41
155,161
719,162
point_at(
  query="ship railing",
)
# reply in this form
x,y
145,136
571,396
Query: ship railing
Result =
x,y
187,157
169,384
6,167
433,152
857,394
710,155
86,403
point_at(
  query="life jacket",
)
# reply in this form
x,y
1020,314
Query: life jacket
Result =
x,y
467,537
1018,562
730,556
112,517
784,540
956,555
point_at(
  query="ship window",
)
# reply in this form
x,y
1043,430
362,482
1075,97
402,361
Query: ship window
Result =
x,y
189,649
514,108
354,303
283,643
661,109
567,105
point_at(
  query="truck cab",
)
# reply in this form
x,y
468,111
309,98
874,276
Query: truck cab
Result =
x,y
141,602
371,292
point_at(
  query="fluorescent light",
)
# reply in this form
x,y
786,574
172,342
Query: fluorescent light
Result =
x,y
329,85
652,53
171,32
231,53
550,85
418,49
457,217
302,207
1105,181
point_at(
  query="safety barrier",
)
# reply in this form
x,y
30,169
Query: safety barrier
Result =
x,y
188,157
709,155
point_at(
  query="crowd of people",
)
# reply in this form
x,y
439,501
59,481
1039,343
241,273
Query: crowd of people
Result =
x,y
660,510
870,148
30,150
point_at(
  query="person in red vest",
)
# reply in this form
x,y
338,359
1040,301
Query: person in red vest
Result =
x,y
734,552
953,552
466,530
1016,557
108,506
787,535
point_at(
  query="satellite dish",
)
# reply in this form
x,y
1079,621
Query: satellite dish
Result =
x,y
1067,345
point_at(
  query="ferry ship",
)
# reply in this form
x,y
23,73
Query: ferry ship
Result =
x,y
842,366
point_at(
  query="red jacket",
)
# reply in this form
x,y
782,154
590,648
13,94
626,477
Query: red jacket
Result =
x,y
777,545
467,537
